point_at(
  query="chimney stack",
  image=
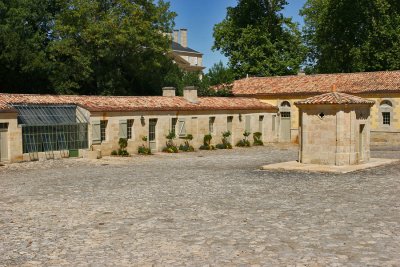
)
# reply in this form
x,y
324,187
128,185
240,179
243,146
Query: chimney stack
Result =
x,y
190,94
334,88
184,38
168,91
175,36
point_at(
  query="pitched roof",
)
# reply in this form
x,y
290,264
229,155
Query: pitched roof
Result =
x,y
178,47
334,98
353,83
134,103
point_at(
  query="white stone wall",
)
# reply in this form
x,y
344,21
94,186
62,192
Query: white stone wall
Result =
x,y
335,138
197,124
14,134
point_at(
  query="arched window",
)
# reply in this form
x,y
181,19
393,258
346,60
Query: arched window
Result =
x,y
386,113
285,104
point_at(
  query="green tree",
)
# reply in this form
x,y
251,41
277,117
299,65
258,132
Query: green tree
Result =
x,y
259,40
24,37
219,74
352,36
111,47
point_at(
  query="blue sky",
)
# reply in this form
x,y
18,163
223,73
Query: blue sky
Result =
x,y
200,16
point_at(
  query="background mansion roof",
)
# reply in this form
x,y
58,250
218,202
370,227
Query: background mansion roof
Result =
x,y
134,103
353,83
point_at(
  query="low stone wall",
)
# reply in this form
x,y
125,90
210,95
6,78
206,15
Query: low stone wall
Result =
x,y
385,138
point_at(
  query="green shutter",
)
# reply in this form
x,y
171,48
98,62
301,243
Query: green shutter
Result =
x,y
123,129
248,125
96,136
182,127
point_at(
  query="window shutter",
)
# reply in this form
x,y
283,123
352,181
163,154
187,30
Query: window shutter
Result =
x,y
123,129
96,136
182,127
248,127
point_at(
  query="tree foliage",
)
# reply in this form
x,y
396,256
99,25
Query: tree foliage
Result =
x,y
259,40
352,36
85,46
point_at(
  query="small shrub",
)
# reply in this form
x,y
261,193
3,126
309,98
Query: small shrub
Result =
x,y
207,143
143,149
122,152
244,142
170,147
225,143
123,144
186,147
114,153
257,139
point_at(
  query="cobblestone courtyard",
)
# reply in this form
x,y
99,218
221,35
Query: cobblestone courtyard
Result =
x,y
205,208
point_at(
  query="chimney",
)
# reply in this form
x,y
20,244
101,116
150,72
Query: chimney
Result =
x,y
334,88
190,94
301,73
184,38
175,36
168,91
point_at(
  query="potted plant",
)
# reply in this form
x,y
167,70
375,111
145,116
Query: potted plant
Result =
x,y
187,147
244,142
225,143
143,149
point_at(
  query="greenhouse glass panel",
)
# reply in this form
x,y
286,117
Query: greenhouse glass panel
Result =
x,y
52,127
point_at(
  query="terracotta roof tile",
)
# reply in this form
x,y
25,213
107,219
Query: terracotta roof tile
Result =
x,y
354,83
135,103
334,98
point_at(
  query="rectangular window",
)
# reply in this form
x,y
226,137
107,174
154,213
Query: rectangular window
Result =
x,y
3,126
174,121
386,118
130,129
211,121
103,127
260,123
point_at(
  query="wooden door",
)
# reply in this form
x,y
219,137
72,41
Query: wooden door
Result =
x,y
285,127
3,145
229,127
153,134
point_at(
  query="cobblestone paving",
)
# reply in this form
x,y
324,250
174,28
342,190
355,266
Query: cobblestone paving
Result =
x,y
198,209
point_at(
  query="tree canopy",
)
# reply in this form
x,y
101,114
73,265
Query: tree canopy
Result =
x,y
85,46
352,36
258,40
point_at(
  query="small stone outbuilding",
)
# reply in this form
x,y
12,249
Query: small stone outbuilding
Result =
x,y
334,129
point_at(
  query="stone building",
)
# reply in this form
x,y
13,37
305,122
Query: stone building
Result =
x,y
382,87
334,129
185,57
49,126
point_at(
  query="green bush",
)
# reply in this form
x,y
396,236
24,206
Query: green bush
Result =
x,y
225,143
244,142
123,144
170,147
143,149
114,153
257,139
207,143
186,147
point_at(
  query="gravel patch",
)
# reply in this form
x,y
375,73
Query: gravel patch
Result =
x,y
206,208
